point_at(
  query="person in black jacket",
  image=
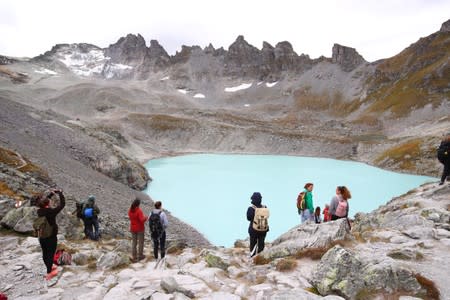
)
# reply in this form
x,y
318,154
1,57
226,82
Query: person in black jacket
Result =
x,y
256,237
48,245
444,157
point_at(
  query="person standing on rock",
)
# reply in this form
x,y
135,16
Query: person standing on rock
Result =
x,y
257,230
158,224
308,212
443,155
90,218
339,204
137,228
48,244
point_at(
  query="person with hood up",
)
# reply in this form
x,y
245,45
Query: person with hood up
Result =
x,y
257,237
48,244
443,155
90,218
137,228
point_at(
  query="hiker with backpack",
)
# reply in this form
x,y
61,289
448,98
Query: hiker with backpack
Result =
x,y
257,215
307,214
158,223
90,212
339,204
137,228
443,155
47,228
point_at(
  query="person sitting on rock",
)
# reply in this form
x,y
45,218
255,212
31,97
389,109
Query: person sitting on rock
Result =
x,y
326,213
137,228
90,218
48,244
339,204
443,155
317,217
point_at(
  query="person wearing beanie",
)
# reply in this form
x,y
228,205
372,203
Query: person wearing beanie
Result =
x,y
90,212
257,238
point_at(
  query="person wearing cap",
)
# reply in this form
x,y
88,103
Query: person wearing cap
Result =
x,y
256,237
90,218
443,155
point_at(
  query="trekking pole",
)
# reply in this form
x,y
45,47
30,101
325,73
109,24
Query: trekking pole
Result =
x,y
254,250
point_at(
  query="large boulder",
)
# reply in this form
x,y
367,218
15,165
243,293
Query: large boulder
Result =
x,y
343,273
308,235
20,219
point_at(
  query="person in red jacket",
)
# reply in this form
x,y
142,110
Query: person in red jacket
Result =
x,y
326,213
137,228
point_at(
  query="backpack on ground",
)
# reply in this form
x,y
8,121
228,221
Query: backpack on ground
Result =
x,y
62,258
42,228
341,209
261,219
88,212
155,224
301,202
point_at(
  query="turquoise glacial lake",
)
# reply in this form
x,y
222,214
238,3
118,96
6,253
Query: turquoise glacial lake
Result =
x,y
212,191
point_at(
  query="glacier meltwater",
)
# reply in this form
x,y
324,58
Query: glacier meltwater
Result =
x,y
212,192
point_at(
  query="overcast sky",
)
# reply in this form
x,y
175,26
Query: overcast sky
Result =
x,y
376,28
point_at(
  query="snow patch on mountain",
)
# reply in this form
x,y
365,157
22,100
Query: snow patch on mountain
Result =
x,y
182,91
199,96
243,86
90,63
271,84
45,71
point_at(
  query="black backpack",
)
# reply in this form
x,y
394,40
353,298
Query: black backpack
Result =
x,y
443,153
155,224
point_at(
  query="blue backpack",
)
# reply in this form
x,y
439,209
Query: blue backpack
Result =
x,y
88,212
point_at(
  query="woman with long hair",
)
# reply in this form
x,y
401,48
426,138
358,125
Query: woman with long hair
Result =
x,y
339,203
137,228
48,244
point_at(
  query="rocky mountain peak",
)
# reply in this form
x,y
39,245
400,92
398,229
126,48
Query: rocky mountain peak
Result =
x,y
348,58
445,26
267,46
129,50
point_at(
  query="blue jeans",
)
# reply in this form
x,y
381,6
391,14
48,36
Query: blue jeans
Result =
x,y
307,216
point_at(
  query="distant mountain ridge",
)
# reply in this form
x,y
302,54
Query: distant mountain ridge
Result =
x,y
243,99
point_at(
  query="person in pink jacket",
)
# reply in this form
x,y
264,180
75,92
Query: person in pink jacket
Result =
x,y
137,228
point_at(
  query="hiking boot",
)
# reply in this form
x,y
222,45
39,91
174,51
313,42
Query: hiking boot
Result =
x,y
52,274
441,183
141,257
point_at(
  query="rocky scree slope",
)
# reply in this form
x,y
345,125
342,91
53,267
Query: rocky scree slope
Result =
x,y
53,154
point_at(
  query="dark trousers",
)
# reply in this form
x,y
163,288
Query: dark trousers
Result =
x,y
91,228
446,171
257,238
159,243
48,246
